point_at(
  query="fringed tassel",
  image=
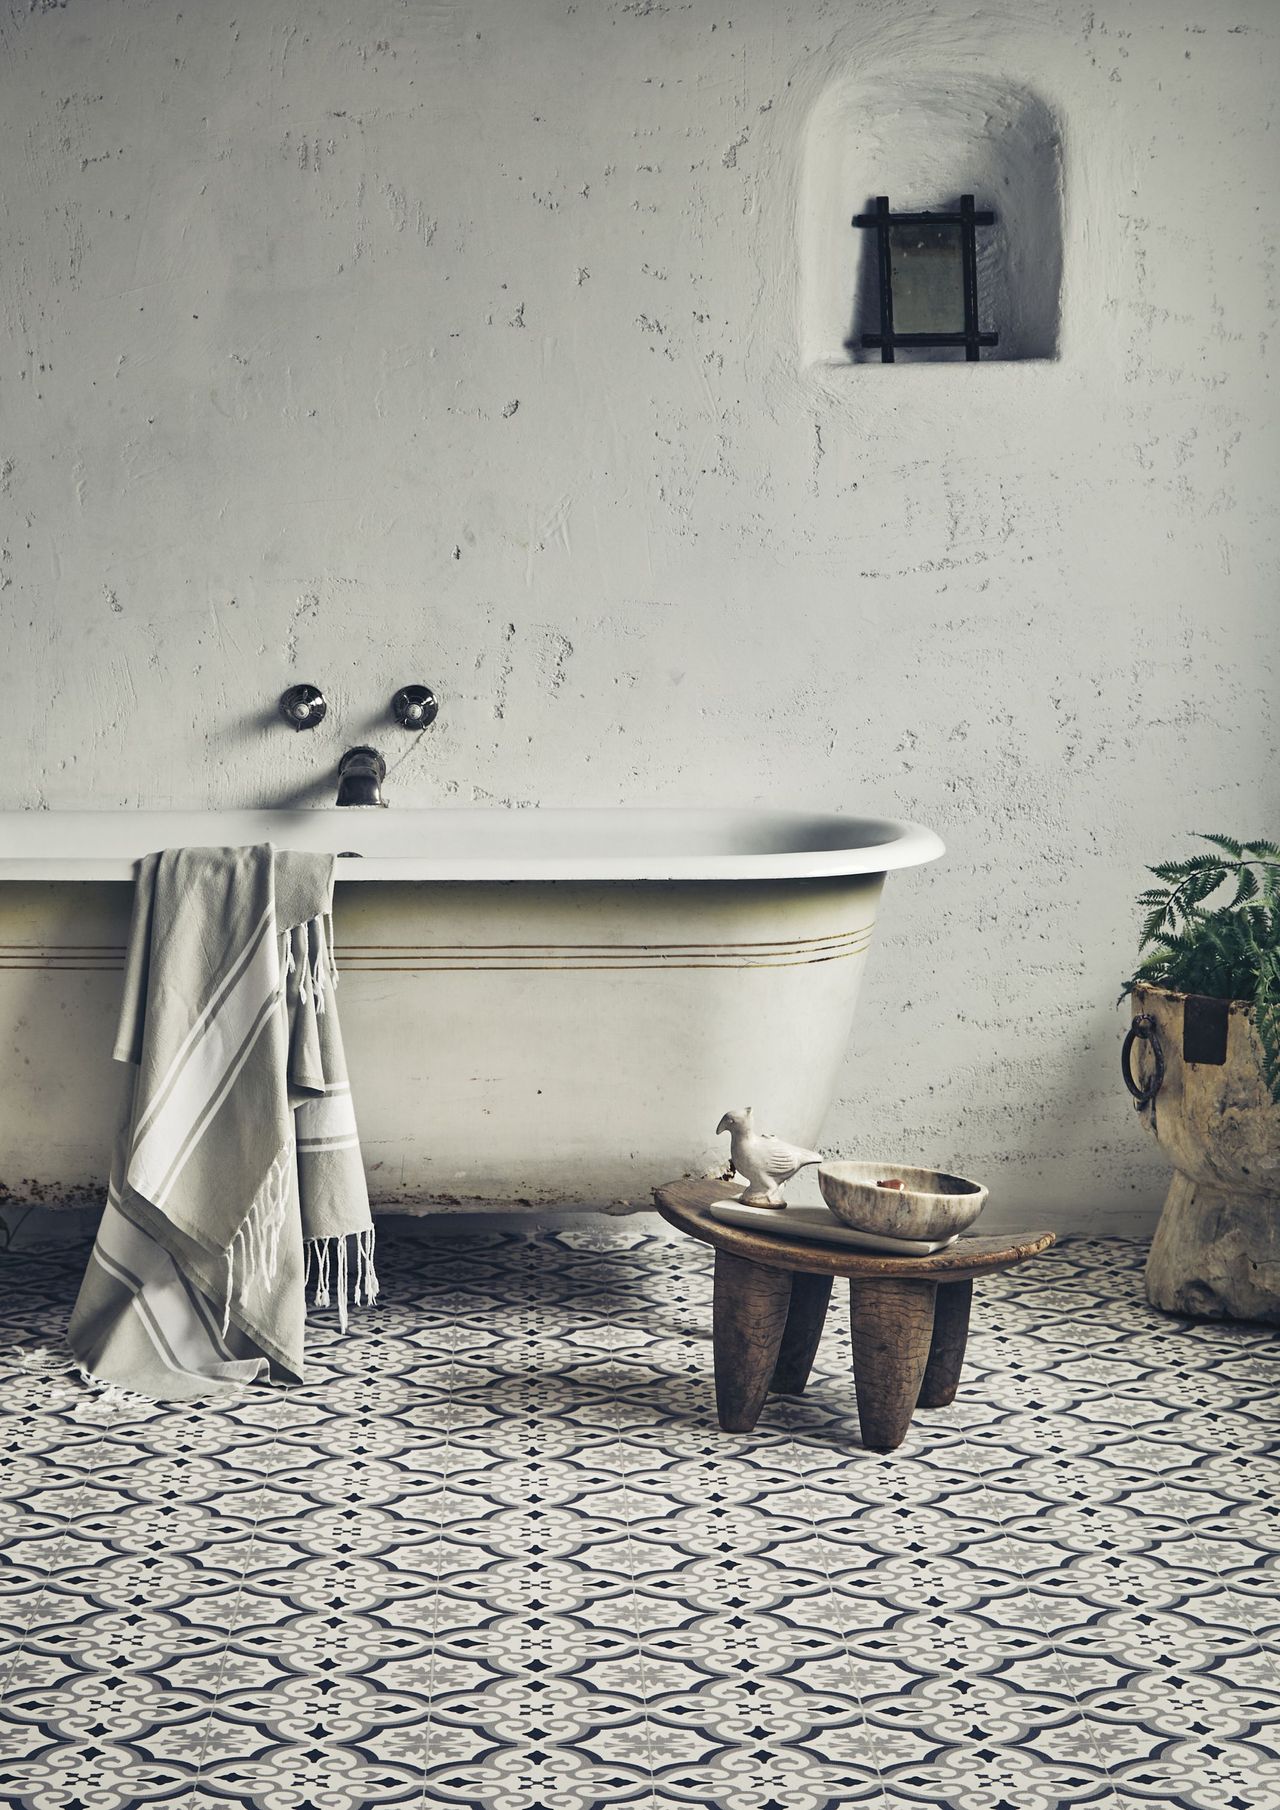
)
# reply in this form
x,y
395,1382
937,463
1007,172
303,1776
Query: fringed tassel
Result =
x,y
365,1291
276,1232
106,1399
370,1274
311,960
322,1271
354,1283
320,962
332,947
259,1233
230,1284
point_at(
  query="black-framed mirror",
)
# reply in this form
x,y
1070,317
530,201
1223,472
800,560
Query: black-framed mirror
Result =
x,y
927,279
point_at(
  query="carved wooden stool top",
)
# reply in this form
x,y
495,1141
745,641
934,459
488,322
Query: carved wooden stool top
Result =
x,y
687,1205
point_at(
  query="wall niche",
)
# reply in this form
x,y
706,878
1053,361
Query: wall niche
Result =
x,y
924,142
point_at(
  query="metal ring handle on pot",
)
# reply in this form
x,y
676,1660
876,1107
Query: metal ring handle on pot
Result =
x,y
1144,1027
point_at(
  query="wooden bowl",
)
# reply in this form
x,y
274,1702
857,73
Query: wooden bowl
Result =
x,y
930,1204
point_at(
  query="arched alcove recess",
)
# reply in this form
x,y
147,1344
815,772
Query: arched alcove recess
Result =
x,y
923,141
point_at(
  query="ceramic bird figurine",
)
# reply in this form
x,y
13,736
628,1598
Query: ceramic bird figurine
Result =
x,y
764,1162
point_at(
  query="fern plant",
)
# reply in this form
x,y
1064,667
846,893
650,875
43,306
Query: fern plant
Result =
x,y
1228,950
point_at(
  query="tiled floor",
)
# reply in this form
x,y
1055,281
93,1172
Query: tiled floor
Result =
x,y
496,1554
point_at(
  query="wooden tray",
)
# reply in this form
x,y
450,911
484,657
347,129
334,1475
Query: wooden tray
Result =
x,y
821,1226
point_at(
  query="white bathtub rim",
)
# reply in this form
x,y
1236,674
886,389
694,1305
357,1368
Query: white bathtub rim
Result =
x,y
456,845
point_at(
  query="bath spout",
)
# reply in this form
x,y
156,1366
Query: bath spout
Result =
x,y
361,772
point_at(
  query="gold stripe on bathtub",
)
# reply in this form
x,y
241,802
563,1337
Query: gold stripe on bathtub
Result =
x,y
429,958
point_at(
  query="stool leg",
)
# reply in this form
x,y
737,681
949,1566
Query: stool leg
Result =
x,y
946,1353
808,1311
891,1323
750,1313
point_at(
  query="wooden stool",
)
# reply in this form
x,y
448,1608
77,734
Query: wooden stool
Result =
x,y
909,1316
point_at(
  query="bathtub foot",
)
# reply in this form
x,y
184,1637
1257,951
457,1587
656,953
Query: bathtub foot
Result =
x,y
749,1316
946,1351
808,1311
892,1326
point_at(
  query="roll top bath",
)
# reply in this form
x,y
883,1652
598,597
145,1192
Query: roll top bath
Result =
x,y
544,1008
237,1167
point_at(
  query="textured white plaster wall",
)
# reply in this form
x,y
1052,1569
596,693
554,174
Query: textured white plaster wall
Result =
x,y
404,339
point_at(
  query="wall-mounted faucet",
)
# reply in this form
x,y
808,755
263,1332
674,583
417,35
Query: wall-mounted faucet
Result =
x,y
361,772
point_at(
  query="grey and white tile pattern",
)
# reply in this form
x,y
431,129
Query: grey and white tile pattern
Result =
x,y
496,1554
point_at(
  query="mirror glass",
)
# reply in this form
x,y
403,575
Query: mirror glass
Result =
x,y
927,270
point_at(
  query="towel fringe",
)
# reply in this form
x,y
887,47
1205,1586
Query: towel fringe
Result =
x,y
229,1284
312,960
319,963
106,1398
321,1248
353,1283
259,1233
332,947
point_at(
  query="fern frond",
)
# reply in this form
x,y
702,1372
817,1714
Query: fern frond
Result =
x,y
1177,943
1152,926
1227,951
1200,883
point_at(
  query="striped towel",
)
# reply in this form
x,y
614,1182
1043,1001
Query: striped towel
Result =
x,y
237,1169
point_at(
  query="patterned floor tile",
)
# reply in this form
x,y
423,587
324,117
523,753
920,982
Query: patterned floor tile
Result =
x,y
611,1771
762,1776
247,1764
495,1554
984,1775
47,1459
98,1774
1200,1774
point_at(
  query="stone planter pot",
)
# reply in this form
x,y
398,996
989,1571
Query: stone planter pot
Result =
x,y
1194,1067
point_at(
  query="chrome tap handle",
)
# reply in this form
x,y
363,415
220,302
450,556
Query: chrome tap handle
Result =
x,y
303,707
414,706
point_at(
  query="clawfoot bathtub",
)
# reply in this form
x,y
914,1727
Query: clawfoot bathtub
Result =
x,y
539,1006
